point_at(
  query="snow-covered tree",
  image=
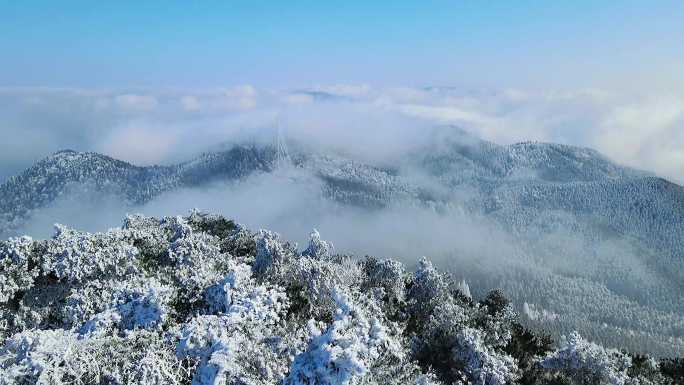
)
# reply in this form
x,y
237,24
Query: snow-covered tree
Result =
x,y
203,300
318,248
585,362
346,350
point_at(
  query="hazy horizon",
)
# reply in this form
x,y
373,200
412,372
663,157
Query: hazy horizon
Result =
x,y
161,126
108,77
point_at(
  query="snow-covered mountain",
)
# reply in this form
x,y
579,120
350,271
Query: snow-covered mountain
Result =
x,y
345,181
64,171
591,245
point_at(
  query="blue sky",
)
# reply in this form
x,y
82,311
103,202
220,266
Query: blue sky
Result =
x,y
535,44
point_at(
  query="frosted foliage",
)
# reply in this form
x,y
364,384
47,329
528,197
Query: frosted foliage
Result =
x,y
428,286
271,254
222,295
142,308
315,275
144,312
195,257
165,301
235,344
232,351
483,365
388,275
85,301
15,273
62,357
580,359
318,248
318,281
178,225
238,295
29,354
497,327
76,256
427,380
472,354
345,351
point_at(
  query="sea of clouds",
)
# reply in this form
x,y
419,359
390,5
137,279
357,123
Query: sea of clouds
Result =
x,y
161,126
380,126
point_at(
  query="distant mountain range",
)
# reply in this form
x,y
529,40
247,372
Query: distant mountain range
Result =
x,y
582,224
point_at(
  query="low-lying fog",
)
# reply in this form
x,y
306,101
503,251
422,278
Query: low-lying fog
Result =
x,y
560,274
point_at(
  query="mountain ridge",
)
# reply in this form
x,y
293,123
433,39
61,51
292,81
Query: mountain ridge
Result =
x,y
569,214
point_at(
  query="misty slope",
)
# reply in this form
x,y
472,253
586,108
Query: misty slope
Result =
x,y
517,182
202,300
577,223
584,226
68,172
52,177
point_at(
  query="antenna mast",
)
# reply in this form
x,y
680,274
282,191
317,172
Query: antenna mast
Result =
x,y
282,154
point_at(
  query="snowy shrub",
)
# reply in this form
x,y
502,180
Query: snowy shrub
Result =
x,y
648,371
496,318
152,239
345,351
386,274
586,362
195,262
29,356
483,365
15,271
434,341
232,351
238,294
138,308
178,226
673,370
215,225
61,357
271,253
85,301
461,340
241,244
76,256
144,310
318,248
236,345
311,280
202,300
222,295
426,289
316,282
386,281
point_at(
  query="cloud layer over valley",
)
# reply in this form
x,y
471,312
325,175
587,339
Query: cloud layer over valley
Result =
x,y
146,126
386,138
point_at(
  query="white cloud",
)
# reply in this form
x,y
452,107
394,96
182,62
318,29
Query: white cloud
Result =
x,y
139,143
191,103
241,97
648,134
347,90
299,98
156,126
133,102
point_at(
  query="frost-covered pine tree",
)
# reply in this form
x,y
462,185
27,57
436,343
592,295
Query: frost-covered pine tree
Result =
x,y
201,300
